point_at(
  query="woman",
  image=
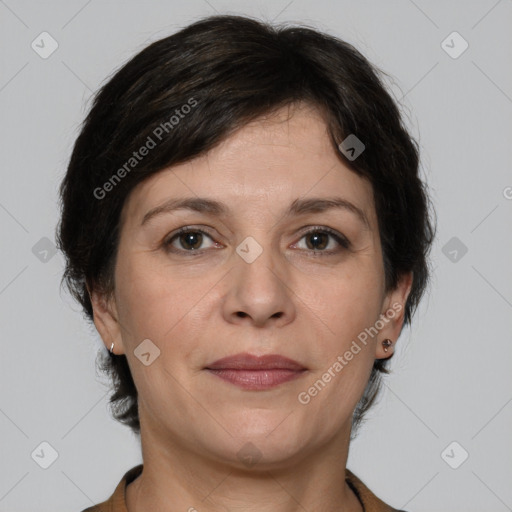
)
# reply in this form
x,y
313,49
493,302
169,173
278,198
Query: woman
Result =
x,y
244,222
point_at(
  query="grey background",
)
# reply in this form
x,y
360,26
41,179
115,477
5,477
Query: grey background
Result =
x,y
451,376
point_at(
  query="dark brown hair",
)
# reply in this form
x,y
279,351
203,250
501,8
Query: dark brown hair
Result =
x,y
230,70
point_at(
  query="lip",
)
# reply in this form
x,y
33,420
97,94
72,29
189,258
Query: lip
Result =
x,y
256,373
249,362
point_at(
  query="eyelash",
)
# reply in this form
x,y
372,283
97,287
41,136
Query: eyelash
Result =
x,y
340,239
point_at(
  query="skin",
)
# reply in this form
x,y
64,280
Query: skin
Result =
x,y
289,301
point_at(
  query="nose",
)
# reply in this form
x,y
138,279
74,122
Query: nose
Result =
x,y
259,292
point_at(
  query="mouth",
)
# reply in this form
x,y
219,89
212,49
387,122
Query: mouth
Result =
x,y
256,373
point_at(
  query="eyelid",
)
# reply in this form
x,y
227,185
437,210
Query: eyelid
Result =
x,y
187,229
341,239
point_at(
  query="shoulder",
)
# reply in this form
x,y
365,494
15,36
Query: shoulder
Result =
x,y
116,502
370,502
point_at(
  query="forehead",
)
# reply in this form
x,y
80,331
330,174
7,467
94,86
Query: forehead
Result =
x,y
267,163
288,126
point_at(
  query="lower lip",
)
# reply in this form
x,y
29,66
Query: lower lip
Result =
x,y
257,380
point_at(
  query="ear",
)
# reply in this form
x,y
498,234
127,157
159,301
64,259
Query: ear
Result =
x,y
106,320
392,315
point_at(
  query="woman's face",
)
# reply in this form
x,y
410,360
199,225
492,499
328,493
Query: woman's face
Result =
x,y
250,280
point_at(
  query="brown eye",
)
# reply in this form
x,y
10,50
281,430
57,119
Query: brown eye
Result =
x,y
325,241
317,240
188,240
191,240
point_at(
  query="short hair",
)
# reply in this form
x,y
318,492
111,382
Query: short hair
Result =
x,y
189,92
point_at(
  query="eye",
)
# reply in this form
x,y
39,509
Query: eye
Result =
x,y
189,239
319,239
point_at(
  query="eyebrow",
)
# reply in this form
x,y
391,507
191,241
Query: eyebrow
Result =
x,y
218,209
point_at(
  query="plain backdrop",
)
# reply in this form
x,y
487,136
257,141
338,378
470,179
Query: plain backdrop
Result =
x,y
451,380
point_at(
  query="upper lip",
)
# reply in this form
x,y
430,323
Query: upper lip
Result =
x,y
251,362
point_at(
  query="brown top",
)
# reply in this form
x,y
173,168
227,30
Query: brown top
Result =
x,y
117,502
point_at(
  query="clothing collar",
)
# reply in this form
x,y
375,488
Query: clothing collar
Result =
x,y
117,502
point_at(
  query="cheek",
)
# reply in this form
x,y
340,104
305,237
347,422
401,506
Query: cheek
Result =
x,y
331,394
346,302
348,305
144,300
160,304
345,352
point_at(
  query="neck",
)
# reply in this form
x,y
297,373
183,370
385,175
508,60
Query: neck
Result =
x,y
179,478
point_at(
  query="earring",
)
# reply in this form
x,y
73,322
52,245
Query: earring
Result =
x,y
386,344
112,349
